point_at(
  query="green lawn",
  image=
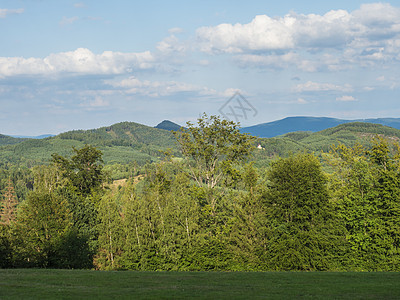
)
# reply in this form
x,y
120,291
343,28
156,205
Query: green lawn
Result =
x,y
84,284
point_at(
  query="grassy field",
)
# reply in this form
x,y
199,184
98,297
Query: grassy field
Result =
x,y
85,284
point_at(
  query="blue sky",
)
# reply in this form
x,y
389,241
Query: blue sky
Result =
x,y
84,64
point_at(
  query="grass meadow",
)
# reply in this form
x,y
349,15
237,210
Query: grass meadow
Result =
x,y
88,284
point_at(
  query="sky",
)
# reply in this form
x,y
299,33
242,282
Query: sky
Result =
x,y
68,65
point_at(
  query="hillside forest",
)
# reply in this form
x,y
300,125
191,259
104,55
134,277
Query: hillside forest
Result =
x,y
217,199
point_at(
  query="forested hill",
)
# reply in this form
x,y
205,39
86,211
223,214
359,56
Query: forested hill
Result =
x,y
122,134
120,143
8,140
348,134
132,142
168,125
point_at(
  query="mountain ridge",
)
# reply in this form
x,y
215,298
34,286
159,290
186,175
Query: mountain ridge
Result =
x,y
120,143
313,124
37,137
262,130
130,142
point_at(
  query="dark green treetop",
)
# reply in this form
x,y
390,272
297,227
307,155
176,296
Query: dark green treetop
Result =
x,y
84,169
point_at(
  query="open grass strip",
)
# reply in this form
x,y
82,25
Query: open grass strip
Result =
x,y
84,284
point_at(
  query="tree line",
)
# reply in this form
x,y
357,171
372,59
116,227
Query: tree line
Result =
x,y
212,210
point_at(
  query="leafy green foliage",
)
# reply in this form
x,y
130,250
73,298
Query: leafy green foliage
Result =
x,y
209,210
211,144
111,233
8,140
43,221
56,224
366,186
299,215
84,169
5,247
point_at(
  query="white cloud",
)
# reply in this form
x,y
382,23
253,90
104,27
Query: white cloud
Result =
x,y
346,98
68,21
171,44
133,85
80,61
79,5
337,40
4,12
274,60
175,30
204,62
291,59
302,101
231,92
336,28
329,30
377,14
262,33
95,103
380,78
310,86
368,88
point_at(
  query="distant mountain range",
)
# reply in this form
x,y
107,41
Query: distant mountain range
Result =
x,y
264,130
313,124
38,137
293,124
127,142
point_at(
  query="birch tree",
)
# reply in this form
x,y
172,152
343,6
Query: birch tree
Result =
x,y
212,147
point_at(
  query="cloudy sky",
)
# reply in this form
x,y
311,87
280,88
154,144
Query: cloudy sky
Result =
x,y
84,64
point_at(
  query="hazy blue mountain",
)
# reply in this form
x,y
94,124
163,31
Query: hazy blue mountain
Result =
x,y
391,122
168,125
313,124
38,137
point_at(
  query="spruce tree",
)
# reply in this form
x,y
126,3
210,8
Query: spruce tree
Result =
x,y
10,202
302,235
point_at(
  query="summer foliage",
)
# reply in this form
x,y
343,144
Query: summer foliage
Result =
x,y
213,208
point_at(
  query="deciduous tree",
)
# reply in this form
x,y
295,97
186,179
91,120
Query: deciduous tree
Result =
x,y
211,144
83,169
210,149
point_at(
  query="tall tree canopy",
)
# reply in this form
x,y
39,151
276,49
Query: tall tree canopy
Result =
x,y
8,210
211,147
299,215
84,169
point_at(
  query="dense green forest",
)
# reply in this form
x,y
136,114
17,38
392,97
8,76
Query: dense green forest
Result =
x,y
131,143
8,140
209,200
120,143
